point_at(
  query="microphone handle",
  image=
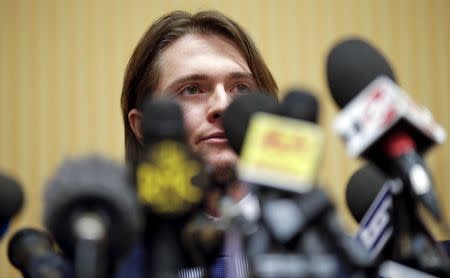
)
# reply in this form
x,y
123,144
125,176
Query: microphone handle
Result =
x,y
412,244
90,250
164,254
417,179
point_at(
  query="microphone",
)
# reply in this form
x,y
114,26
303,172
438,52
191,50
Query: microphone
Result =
x,y
370,199
236,118
379,121
32,252
362,189
170,183
272,147
292,147
299,104
11,200
92,213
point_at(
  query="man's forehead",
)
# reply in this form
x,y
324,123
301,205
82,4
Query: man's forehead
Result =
x,y
201,56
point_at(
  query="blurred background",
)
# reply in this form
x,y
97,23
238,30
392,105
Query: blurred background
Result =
x,y
62,64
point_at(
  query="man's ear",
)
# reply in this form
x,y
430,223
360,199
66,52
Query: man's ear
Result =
x,y
134,118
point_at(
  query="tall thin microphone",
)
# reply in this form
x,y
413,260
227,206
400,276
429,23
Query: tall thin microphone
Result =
x,y
33,253
379,121
11,201
92,213
170,184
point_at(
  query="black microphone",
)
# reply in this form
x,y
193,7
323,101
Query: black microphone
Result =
x,y
170,183
11,200
255,122
370,199
362,189
33,253
236,118
272,145
92,213
299,104
351,65
379,121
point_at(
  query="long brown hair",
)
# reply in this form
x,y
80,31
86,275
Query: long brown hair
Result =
x,y
142,73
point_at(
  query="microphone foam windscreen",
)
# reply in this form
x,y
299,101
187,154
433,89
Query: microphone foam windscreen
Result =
x,y
351,65
162,118
299,104
92,183
26,241
11,197
362,188
238,114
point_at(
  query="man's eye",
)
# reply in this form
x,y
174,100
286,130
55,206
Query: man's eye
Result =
x,y
190,90
241,88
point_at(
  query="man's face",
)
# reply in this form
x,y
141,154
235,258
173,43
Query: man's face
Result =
x,y
205,73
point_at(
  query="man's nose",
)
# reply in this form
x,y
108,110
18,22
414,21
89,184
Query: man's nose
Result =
x,y
217,103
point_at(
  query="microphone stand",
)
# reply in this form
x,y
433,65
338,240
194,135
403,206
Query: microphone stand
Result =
x,y
412,243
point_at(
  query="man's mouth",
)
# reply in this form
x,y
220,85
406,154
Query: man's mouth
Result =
x,y
215,137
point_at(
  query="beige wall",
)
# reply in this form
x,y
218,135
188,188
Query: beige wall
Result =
x,y
62,64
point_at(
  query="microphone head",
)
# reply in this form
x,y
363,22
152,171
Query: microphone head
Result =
x,y
351,65
299,104
33,253
162,119
92,184
11,197
25,243
362,188
237,116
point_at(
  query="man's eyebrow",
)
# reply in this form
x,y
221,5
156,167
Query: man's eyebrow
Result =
x,y
200,77
241,74
189,77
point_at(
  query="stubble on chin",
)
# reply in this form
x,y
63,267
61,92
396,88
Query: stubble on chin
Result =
x,y
222,165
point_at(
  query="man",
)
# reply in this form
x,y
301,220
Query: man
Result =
x,y
203,61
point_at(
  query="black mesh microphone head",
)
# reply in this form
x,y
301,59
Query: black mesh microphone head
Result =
x,y
238,114
11,197
28,242
362,188
33,253
299,104
351,65
92,184
162,119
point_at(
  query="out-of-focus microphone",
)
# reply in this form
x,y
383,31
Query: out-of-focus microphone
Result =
x,y
287,142
11,201
238,114
299,104
379,121
92,213
362,189
274,145
33,253
370,200
170,184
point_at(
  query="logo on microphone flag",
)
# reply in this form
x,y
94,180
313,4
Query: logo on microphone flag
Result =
x,y
282,152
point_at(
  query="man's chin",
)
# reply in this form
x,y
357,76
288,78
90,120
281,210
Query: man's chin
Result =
x,y
223,168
